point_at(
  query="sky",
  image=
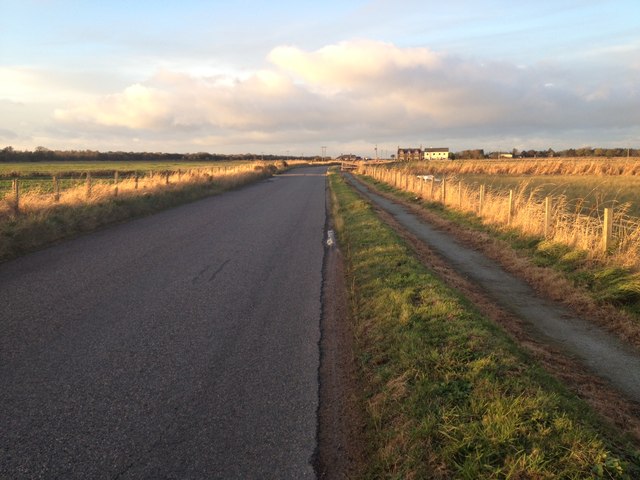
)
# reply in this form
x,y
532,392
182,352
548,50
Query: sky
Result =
x,y
288,78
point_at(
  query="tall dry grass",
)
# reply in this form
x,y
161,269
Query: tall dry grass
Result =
x,y
42,219
525,210
542,166
98,190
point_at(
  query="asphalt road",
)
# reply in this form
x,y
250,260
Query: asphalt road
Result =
x,y
181,345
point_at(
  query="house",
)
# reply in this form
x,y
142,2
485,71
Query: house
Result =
x,y
436,154
409,154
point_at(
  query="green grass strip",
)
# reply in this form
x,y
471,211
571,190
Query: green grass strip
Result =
x,y
447,393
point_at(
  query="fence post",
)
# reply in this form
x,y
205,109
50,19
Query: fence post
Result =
x,y
608,229
88,184
433,183
444,191
56,189
16,195
136,181
460,194
115,181
547,216
510,212
481,204
167,178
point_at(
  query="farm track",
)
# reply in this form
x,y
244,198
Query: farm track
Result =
x,y
594,363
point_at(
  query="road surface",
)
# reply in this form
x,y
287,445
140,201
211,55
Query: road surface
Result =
x,y
181,345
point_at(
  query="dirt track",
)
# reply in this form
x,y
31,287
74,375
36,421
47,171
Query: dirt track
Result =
x,y
589,359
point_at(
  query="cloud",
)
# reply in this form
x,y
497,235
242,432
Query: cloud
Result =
x,y
364,90
137,107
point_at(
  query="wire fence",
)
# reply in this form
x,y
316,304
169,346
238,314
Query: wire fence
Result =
x,y
602,233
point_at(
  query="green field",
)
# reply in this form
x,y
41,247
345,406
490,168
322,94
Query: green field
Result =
x,y
38,175
594,191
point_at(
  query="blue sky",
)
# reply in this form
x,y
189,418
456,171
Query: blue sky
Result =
x,y
277,77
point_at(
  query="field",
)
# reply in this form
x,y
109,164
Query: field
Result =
x,y
588,191
38,175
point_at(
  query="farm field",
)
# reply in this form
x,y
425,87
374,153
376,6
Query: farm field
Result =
x,y
38,175
590,191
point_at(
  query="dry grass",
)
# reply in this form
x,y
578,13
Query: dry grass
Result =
x,y
100,190
546,166
524,210
42,219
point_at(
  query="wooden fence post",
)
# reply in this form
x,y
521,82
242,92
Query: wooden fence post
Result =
x,y
608,229
167,178
88,184
460,194
510,212
115,181
136,181
16,195
547,216
444,191
56,189
481,203
433,183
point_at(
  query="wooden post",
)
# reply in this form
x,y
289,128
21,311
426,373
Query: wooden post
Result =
x,y
422,182
167,178
433,184
88,184
608,229
56,189
115,181
460,194
481,204
547,216
444,191
510,212
136,181
16,195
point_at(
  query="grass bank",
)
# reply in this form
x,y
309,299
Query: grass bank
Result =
x,y
42,221
447,394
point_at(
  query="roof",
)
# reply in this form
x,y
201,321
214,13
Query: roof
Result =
x,y
436,150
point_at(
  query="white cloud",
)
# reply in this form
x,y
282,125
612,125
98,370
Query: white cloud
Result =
x,y
357,92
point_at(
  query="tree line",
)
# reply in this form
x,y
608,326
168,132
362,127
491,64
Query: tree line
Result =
x,y
478,154
41,154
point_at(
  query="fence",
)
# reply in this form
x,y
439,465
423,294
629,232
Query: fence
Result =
x,y
600,233
34,194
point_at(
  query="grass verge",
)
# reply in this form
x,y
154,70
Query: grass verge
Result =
x,y
447,394
29,231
